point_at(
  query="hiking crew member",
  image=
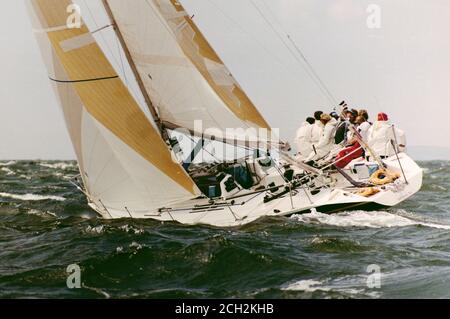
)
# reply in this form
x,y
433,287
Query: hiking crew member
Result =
x,y
303,138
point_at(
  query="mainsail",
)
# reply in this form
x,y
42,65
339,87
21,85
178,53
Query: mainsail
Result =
x,y
125,165
184,77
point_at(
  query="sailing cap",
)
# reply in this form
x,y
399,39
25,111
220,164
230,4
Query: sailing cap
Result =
x,y
383,117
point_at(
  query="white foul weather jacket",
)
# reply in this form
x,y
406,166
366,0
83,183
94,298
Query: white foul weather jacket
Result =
x,y
363,130
380,135
317,131
303,139
326,141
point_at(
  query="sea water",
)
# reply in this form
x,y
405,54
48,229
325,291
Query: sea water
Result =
x,y
46,226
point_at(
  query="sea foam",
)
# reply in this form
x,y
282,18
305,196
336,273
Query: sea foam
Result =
x,y
62,166
375,219
348,285
32,197
10,163
8,171
305,285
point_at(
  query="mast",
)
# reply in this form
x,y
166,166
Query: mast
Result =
x,y
135,71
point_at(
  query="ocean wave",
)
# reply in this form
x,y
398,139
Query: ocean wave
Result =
x,y
347,285
131,229
101,229
434,188
10,163
32,197
319,286
136,246
8,171
132,249
305,285
98,291
97,230
61,165
40,213
338,245
376,219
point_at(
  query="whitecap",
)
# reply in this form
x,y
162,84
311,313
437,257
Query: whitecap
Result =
x,y
10,163
98,290
349,285
40,213
305,285
7,171
320,240
136,245
95,230
375,219
62,166
131,229
32,197
69,177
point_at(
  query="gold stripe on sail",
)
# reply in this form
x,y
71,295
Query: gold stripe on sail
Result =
x,y
209,64
107,99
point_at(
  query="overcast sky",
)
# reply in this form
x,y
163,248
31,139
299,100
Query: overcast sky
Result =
x,y
401,68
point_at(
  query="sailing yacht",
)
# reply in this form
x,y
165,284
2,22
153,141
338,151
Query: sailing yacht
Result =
x,y
128,157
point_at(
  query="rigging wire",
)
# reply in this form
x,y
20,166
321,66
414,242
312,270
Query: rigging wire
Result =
x,y
327,96
99,29
241,28
313,70
203,149
119,49
120,63
309,69
242,147
303,56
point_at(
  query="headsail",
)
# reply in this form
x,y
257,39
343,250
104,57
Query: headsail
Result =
x,y
125,164
183,75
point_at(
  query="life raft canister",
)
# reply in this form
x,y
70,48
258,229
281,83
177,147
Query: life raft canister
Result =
x,y
383,177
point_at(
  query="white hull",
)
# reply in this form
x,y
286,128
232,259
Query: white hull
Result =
x,y
249,208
